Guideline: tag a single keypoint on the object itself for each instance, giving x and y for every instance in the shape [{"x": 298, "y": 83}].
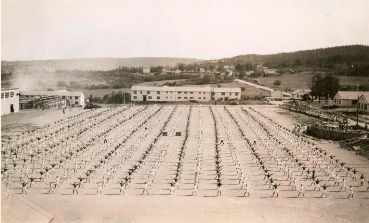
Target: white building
[
  {"x": 9, "y": 101},
  {"x": 347, "y": 98},
  {"x": 299, "y": 93},
  {"x": 146, "y": 70},
  {"x": 183, "y": 94},
  {"x": 72, "y": 98},
  {"x": 364, "y": 102}
]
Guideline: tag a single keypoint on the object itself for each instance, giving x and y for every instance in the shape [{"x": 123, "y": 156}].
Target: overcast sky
[{"x": 205, "y": 29}]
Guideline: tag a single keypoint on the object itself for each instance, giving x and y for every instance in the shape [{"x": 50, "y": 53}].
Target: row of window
[
  {"x": 76, "y": 97},
  {"x": 7, "y": 94},
  {"x": 158, "y": 97},
  {"x": 184, "y": 92}
]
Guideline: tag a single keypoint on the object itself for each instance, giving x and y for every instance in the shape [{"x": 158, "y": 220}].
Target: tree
[
  {"x": 277, "y": 82},
  {"x": 331, "y": 86},
  {"x": 324, "y": 86},
  {"x": 317, "y": 86}
]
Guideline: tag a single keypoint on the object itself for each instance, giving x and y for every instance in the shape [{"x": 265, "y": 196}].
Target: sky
[{"x": 203, "y": 29}]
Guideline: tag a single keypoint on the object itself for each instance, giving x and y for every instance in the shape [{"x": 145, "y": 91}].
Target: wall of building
[
  {"x": 75, "y": 100},
  {"x": 166, "y": 96},
  {"x": 344, "y": 102},
  {"x": 363, "y": 105},
  {"x": 182, "y": 95},
  {"x": 9, "y": 99},
  {"x": 226, "y": 96}
]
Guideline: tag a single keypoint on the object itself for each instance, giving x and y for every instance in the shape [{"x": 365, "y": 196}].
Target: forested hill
[
  {"x": 92, "y": 63},
  {"x": 340, "y": 57}
]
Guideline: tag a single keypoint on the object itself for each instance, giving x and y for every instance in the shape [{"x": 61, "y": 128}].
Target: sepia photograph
[{"x": 184, "y": 111}]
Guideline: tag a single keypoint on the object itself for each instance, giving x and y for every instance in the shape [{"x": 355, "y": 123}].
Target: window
[
  {"x": 76, "y": 97},
  {"x": 167, "y": 92},
  {"x": 76, "y": 102},
  {"x": 223, "y": 93},
  {"x": 2, "y": 95},
  {"x": 199, "y": 97},
  {"x": 236, "y": 94},
  {"x": 70, "y": 97},
  {"x": 203, "y": 97},
  {"x": 11, "y": 94},
  {"x": 179, "y": 92},
  {"x": 179, "y": 98},
  {"x": 140, "y": 92},
  {"x": 134, "y": 92},
  {"x": 148, "y": 92},
  {"x": 6, "y": 94},
  {"x": 149, "y": 97},
  {"x": 191, "y": 97},
  {"x": 63, "y": 97},
  {"x": 158, "y": 97},
  {"x": 158, "y": 92},
  {"x": 185, "y": 92},
  {"x": 185, "y": 97},
  {"x": 366, "y": 107},
  {"x": 191, "y": 92},
  {"x": 134, "y": 97}
]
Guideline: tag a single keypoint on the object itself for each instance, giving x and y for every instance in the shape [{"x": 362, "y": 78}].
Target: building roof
[
  {"x": 9, "y": 89},
  {"x": 365, "y": 96},
  {"x": 350, "y": 95},
  {"x": 199, "y": 89},
  {"x": 297, "y": 91},
  {"x": 51, "y": 93}
]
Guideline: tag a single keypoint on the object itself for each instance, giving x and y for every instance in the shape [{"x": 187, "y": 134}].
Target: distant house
[
  {"x": 146, "y": 70},
  {"x": 9, "y": 101},
  {"x": 364, "y": 102},
  {"x": 250, "y": 72},
  {"x": 271, "y": 71},
  {"x": 347, "y": 98},
  {"x": 299, "y": 93}
]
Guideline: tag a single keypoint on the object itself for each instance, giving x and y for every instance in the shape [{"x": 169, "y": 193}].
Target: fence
[{"x": 332, "y": 134}]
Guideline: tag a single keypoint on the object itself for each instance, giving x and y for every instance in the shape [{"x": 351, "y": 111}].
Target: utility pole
[
  {"x": 357, "y": 107},
  {"x": 357, "y": 111}
]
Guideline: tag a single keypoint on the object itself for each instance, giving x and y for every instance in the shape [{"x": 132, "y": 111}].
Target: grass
[{"x": 303, "y": 80}]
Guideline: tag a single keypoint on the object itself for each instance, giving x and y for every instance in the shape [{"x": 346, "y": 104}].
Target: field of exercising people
[{"x": 171, "y": 160}]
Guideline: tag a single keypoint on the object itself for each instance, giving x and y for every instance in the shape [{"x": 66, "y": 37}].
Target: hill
[
  {"x": 349, "y": 60},
  {"x": 91, "y": 63}
]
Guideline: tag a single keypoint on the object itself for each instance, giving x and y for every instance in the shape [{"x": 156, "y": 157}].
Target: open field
[
  {"x": 182, "y": 163},
  {"x": 303, "y": 80}
]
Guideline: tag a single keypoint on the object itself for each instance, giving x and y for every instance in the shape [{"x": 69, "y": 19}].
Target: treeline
[
  {"x": 342, "y": 60},
  {"x": 113, "y": 98}
]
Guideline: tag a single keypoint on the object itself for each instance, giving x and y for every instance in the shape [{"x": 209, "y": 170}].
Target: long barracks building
[{"x": 183, "y": 94}]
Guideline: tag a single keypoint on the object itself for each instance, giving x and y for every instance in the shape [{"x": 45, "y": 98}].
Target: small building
[
  {"x": 364, "y": 102},
  {"x": 300, "y": 93},
  {"x": 183, "y": 94},
  {"x": 146, "y": 70},
  {"x": 9, "y": 101},
  {"x": 59, "y": 98},
  {"x": 347, "y": 98}
]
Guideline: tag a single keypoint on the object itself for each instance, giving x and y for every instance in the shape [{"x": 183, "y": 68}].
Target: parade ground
[{"x": 176, "y": 163}]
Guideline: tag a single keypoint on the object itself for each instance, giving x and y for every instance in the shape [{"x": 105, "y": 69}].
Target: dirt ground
[
  {"x": 27, "y": 120},
  {"x": 182, "y": 208},
  {"x": 200, "y": 209}
]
